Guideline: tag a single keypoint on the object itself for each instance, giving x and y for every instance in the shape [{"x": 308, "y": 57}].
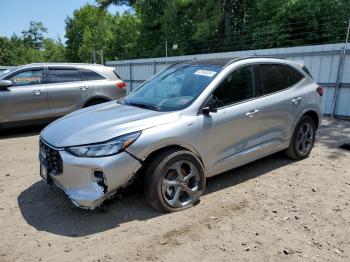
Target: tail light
[
  {"x": 121, "y": 85},
  {"x": 320, "y": 90}
]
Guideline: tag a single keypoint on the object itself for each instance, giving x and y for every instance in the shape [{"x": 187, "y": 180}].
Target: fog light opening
[{"x": 100, "y": 179}]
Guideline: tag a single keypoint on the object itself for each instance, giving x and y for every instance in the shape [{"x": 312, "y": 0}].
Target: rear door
[
  {"x": 97, "y": 84},
  {"x": 279, "y": 103},
  {"x": 66, "y": 89},
  {"x": 26, "y": 99}
]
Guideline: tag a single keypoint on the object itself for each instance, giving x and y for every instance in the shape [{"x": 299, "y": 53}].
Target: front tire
[
  {"x": 303, "y": 139},
  {"x": 174, "y": 181}
]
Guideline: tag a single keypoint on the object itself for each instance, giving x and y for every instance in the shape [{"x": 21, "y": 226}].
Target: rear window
[
  {"x": 294, "y": 76},
  {"x": 274, "y": 78},
  {"x": 277, "y": 77},
  {"x": 63, "y": 75},
  {"x": 90, "y": 75}
]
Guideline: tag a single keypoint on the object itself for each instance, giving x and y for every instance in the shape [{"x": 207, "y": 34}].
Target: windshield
[
  {"x": 4, "y": 72},
  {"x": 173, "y": 89}
]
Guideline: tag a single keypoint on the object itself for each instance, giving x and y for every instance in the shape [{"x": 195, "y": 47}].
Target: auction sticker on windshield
[{"x": 202, "y": 72}]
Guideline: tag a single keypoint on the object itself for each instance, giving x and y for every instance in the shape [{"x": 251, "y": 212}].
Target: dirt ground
[{"x": 271, "y": 210}]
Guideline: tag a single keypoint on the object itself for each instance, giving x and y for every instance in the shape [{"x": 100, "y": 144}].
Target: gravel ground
[{"x": 271, "y": 210}]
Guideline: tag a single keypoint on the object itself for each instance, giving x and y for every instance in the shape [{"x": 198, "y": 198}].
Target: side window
[
  {"x": 238, "y": 86},
  {"x": 274, "y": 78},
  {"x": 64, "y": 75},
  {"x": 294, "y": 76},
  {"x": 26, "y": 78},
  {"x": 89, "y": 75}
]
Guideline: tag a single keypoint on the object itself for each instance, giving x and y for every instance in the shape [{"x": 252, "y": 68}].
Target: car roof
[
  {"x": 106, "y": 71},
  {"x": 214, "y": 61},
  {"x": 223, "y": 62},
  {"x": 82, "y": 65}
]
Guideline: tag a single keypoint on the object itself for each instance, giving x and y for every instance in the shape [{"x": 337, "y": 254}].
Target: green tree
[
  {"x": 191, "y": 25},
  {"x": 199, "y": 26},
  {"x": 106, "y": 3},
  {"x": 34, "y": 36},
  {"x": 151, "y": 14},
  {"x": 276, "y": 23},
  {"x": 15, "y": 51},
  {"x": 89, "y": 29},
  {"x": 54, "y": 50},
  {"x": 126, "y": 36},
  {"x": 31, "y": 47}
]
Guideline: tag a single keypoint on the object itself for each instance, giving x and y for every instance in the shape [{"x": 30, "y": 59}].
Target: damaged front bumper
[{"x": 86, "y": 181}]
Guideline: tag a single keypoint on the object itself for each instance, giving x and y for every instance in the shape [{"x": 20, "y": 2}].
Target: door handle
[
  {"x": 252, "y": 113},
  {"x": 37, "y": 92},
  {"x": 296, "y": 100},
  {"x": 84, "y": 88}
]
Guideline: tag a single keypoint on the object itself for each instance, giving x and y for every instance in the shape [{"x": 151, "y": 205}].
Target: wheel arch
[
  {"x": 315, "y": 117},
  {"x": 163, "y": 148},
  {"x": 158, "y": 150},
  {"x": 96, "y": 98},
  {"x": 311, "y": 112}
]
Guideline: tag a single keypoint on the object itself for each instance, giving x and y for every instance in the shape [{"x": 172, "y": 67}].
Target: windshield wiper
[
  {"x": 147, "y": 106},
  {"x": 123, "y": 101}
]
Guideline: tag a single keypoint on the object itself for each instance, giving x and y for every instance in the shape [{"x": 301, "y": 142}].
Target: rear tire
[
  {"x": 174, "y": 181},
  {"x": 96, "y": 102},
  {"x": 303, "y": 139}
]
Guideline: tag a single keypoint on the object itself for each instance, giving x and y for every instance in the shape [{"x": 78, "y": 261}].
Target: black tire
[
  {"x": 294, "y": 151},
  {"x": 95, "y": 102},
  {"x": 160, "y": 167}
]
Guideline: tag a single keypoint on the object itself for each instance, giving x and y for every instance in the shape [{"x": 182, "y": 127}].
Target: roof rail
[{"x": 251, "y": 57}]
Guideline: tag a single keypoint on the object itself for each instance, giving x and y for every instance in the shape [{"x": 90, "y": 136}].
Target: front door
[
  {"x": 27, "y": 98},
  {"x": 232, "y": 134}
]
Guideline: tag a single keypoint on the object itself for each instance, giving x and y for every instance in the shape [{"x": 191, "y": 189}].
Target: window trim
[
  {"x": 62, "y": 68},
  {"x": 258, "y": 84},
  {"x": 43, "y": 82},
  {"x": 207, "y": 100},
  {"x": 84, "y": 79},
  {"x": 282, "y": 90},
  {"x": 307, "y": 71}
]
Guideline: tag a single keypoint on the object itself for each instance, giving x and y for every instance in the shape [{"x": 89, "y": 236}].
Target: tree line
[{"x": 186, "y": 26}]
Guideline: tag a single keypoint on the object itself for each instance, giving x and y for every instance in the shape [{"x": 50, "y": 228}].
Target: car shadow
[
  {"x": 332, "y": 134},
  {"x": 50, "y": 210},
  {"x": 25, "y": 131},
  {"x": 249, "y": 171}
]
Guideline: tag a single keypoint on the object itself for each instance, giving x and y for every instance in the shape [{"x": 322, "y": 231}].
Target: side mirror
[
  {"x": 212, "y": 106},
  {"x": 208, "y": 109},
  {"x": 4, "y": 84}
]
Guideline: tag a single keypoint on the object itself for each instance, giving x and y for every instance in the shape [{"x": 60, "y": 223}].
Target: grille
[{"x": 52, "y": 157}]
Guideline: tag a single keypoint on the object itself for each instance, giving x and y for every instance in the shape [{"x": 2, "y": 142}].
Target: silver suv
[
  {"x": 38, "y": 92},
  {"x": 191, "y": 121}
]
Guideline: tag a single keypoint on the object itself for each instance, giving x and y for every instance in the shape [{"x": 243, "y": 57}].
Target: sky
[{"x": 15, "y": 15}]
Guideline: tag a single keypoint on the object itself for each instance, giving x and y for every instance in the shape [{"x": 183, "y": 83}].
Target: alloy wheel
[
  {"x": 305, "y": 138},
  {"x": 180, "y": 184}
]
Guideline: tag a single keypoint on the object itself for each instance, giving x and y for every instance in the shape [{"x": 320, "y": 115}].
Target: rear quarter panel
[
  {"x": 107, "y": 89},
  {"x": 311, "y": 101}
]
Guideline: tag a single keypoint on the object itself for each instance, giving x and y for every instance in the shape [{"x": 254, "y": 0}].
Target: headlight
[{"x": 111, "y": 147}]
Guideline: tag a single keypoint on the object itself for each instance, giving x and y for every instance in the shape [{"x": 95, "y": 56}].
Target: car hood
[{"x": 101, "y": 123}]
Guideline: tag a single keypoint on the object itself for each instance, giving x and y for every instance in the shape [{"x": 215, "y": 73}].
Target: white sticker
[{"x": 205, "y": 73}]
